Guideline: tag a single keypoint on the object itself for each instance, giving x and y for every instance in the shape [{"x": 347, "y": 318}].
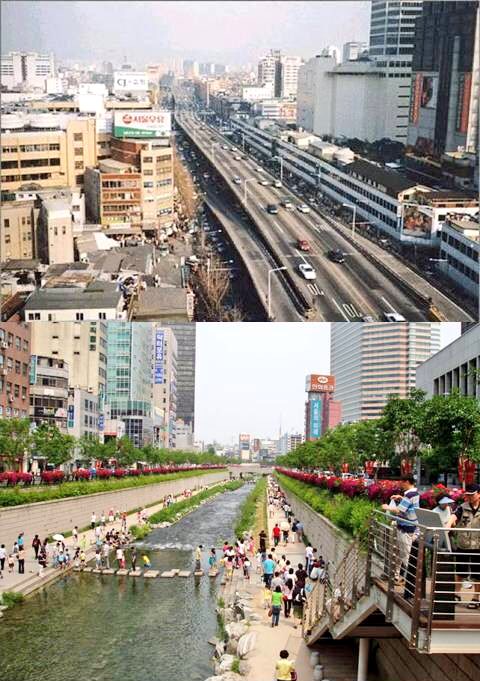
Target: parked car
[
  {"x": 336, "y": 255},
  {"x": 307, "y": 271}
]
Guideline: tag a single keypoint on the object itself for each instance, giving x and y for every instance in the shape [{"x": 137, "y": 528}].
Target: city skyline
[
  {"x": 261, "y": 413},
  {"x": 177, "y": 24}
]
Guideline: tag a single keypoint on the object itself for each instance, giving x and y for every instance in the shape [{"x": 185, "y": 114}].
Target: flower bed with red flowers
[
  {"x": 82, "y": 474},
  {"x": 16, "y": 478},
  {"x": 52, "y": 477},
  {"x": 379, "y": 491}
]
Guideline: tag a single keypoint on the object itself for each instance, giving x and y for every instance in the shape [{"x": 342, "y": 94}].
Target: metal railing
[{"x": 426, "y": 571}]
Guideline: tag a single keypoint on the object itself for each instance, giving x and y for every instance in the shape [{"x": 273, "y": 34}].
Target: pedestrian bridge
[
  {"x": 257, "y": 468},
  {"x": 431, "y": 608}
]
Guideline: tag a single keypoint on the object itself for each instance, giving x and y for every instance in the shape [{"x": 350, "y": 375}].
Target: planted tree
[
  {"x": 53, "y": 445},
  {"x": 402, "y": 423},
  {"x": 15, "y": 441}
]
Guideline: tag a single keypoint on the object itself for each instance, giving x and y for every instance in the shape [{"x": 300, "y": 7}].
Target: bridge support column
[{"x": 363, "y": 647}]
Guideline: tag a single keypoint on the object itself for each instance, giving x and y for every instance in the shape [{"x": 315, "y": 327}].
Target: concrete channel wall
[
  {"x": 331, "y": 543},
  {"x": 61, "y": 515}
]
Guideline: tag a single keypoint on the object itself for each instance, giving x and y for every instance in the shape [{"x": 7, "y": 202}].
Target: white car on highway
[
  {"x": 303, "y": 208},
  {"x": 277, "y": 183},
  {"x": 259, "y": 169},
  {"x": 307, "y": 271},
  {"x": 264, "y": 183},
  {"x": 237, "y": 180}
]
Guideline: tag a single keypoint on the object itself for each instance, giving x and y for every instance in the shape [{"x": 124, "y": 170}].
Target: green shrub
[
  {"x": 29, "y": 495},
  {"x": 236, "y": 665},
  {"x": 11, "y": 598},
  {"x": 248, "y": 510},
  {"x": 140, "y": 531},
  {"x": 351, "y": 515}
]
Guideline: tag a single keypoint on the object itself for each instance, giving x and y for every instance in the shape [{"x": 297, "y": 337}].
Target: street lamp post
[
  {"x": 248, "y": 179},
  {"x": 280, "y": 158},
  {"x": 270, "y": 272},
  {"x": 354, "y": 211}
]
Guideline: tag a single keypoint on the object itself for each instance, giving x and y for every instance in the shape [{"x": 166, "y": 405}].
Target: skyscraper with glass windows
[
  {"x": 371, "y": 361},
  {"x": 186, "y": 339},
  {"x": 392, "y": 31},
  {"x": 129, "y": 378}
]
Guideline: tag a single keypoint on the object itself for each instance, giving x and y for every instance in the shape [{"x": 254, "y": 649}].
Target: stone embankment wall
[
  {"x": 48, "y": 517},
  {"x": 322, "y": 534}
]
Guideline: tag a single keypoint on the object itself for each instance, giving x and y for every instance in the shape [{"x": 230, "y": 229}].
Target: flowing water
[{"x": 89, "y": 627}]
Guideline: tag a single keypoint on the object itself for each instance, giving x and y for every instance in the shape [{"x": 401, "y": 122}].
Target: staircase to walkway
[{"x": 339, "y": 659}]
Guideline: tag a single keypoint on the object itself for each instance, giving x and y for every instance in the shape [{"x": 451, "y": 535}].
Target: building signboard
[
  {"x": 428, "y": 99},
  {"x": 417, "y": 222},
  {"x": 320, "y": 383},
  {"x": 415, "y": 98},
  {"x": 71, "y": 416},
  {"x": 101, "y": 423},
  {"x": 130, "y": 81},
  {"x": 463, "y": 102},
  {"x": 158, "y": 370},
  {"x": 142, "y": 124},
  {"x": 315, "y": 429},
  {"x": 33, "y": 370}
]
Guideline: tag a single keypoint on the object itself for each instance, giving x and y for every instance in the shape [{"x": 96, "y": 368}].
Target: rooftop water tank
[
  {"x": 12, "y": 121},
  {"x": 44, "y": 121}
]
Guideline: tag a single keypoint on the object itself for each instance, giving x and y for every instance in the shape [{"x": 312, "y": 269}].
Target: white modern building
[
  {"x": 268, "y": 67},
  {"x": 165, "y": 382},
  {"x": 456, "y": 366},
  {"x": 289, "y": 441},
  {"x": 27, "y": 70},
  {"x": 372, "y": 361},
  {"x": 289, "y": 66},
  {"x": 257, "y": 93},
  {"x": 281, "y": 72},
  {"x": 460, "y": 251}
]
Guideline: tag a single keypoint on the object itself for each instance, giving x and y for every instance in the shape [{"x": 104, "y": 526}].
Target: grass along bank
[
  {"x": 17, "y": 497},
  {"x": 251, "y": 507},
  {"x": 177, "y": 510},
  {"x": 350, "y": 515}
]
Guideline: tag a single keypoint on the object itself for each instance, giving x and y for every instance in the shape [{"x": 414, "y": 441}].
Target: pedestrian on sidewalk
[
  {"x": 308, "y": 556},
  {"x": 299, "y": 531},
  {"x": 276, "y": 534},
  {"x": 103, "y": 519},
  {"x": 36, "y": 543},
  {"x": 268, "y": 570},
  {"x": 106, "y": 554},
  {"x": 277, "y": 600},
  {"x": 287, "y": 592},
  {"x": 301, "y": 576},
  {"x": 262, "y": 543},
  {"x": 285, "y": 668},
  {"x": 93, "y": 521},
  {"x": 246, "y": 569},
  {"x": 83, "y": 559},
  {"x": 111, "y": 516},
  {"x": 271, "y": 509},
  {"x": 42, "y": 560},
  {"x": 11, "y": 563},
  {"x": 285, "y": 527},
  {"x": 299, "y": 600},
  {"x": 21, "y": 560},
  {"x": 21, "y": 540},
  {"x": 98, "y": 559},
  {"x": 3, "y": 556}
]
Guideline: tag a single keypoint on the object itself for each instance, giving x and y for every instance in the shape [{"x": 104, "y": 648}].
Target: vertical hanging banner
[{"x": 158, "y": 370}]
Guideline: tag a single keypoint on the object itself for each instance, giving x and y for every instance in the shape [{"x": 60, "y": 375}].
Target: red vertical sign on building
[
  {"x": 463, "y": 102},
  {"x": 415, "y": 98}
]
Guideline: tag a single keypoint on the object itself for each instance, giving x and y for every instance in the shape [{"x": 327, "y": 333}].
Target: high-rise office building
[
  {"x": 129, "y": 379},
  {"x": 392, "y": 30},
  {"x": 280, "y": 72},
  {"x": 186, "y": 352},
  {"x": 371, "y": 361},
  {"x": 190, "y": 69},
  {"x": 446, "y": 78},
  {"x": 26, "y": 70},
  {"x": 165, "y": 383}
]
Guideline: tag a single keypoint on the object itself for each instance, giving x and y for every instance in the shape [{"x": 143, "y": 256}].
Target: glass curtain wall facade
[
  {"x": 186, "y": 350},
  {"x": 129, "y": 378}
]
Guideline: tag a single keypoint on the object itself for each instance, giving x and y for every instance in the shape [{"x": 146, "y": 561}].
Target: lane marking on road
[
  {"x": 388, "y": 304},
  {"x": 340, "y": 310},
  {"x": 315, "y": 290},
  {"x": 300, "y": 255},
  {"x": 351, "y": 310},
  {"x": 278, "y": 227}
]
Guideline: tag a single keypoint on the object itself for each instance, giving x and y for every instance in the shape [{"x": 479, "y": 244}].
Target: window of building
[
  {"x": 78, "y": 137},
  {"x": 79, "y": 316},
  {"x": 102, "y": 315},
  {"x": 148, "y": 172},
  {"x": 18, "y": 367},
  {"x": 79, "y": 179},
  {"x": 24, "y": 369},
  {"x": 78, "y": 165},
  {"x": 34, "y": 316},
  {"x": 6, "y": 223},
  {"x": 78, "y": 151}
]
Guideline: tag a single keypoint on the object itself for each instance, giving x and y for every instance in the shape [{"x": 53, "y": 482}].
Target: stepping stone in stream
[
  {"x": 97, "y": 571},
  {"x": 175, "y": 572},
  {"x": 109, "y": 571},
  {"x": 135, "y": 573},
  {"x": 77, "y": 568},
  {"x": 150, "y": 574},
  {"x": 167, "y": 573},
  {"x": 198, "y": 573},
  {"x": 184, "y": 573},
  {"x": 88, "y": 569},
  {"x": 122, "y": 572},
  {"x": 212, "y": 573}
]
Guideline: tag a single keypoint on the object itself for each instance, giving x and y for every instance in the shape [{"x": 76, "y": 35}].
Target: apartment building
[
  {"x": 45, "y": 155},
  {"x": 28, "y": 70},
  {"x": 17, "y": 230},
  {"x": 372, "y": 361},
  {"x": 14, "y": 369},
  {"x": 49, "y": 392}
]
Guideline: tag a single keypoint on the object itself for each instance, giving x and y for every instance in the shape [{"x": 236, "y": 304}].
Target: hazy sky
[
  {"x": 229, "y": 32},
  {"x": 251, "y": 376}
]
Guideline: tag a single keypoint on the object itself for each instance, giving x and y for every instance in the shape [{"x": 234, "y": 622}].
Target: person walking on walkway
[
  {"x": 287, "y": 592},
  {"x": 407, "y": 524},
  {"x": 276, "y": 605},
  {"x": 21, "y": 560},
  {"x": 3, "y": 556},
  {"x": 276, "y": 534},
  {"x": 299, "y": 531},
  {"x": 106, "y": 554},
  {"x": 75, "y": 536},
  {"x": 285, "y": 528},
  {"x": 36, "y": 543},
  {"x": 268, "y": 570},
  {"x": 93, "y": 521},
  {"x": 262, "y": 539},
  {"x": 467, "y": 516},
  {"x": 285, "y": 668}
]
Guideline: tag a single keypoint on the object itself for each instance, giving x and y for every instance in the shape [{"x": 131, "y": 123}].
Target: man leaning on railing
[
  {"x": 467, "y": 516},
  {"x": 406, "y": 531}
]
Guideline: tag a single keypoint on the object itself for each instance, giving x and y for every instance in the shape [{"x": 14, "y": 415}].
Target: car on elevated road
[
  {"x": 277, "y": 183},
  {"x": 264, "y": 183},
  {"x": 237, "y": 180},
  {"x": 393, "y": 317},
  {"x": 303, "y": 208},
  {"x": 307, "y": 271},
  {"x": 272, "y": 208},
  {"x": 336, "y": 255},
  {"x": 287, "y": 204},
  {"x": 303, "y": 245}
]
